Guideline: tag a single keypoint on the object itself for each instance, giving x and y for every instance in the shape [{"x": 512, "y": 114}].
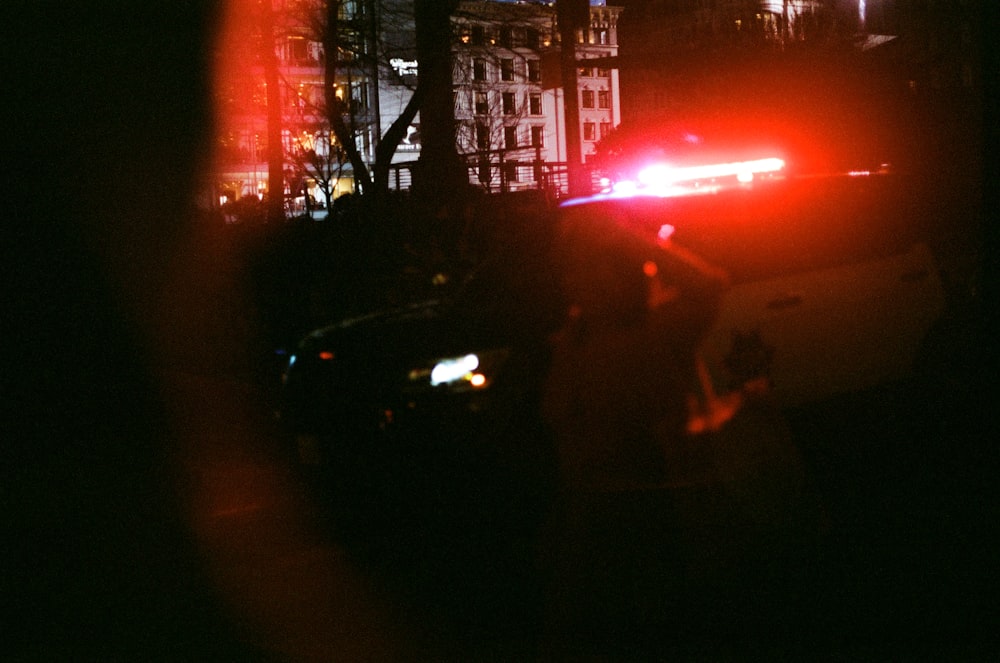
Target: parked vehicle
[
  {"x": 431, "y": 406},
  {"x": 833, "y": 290},
  {"x": 834, "y": 286}
]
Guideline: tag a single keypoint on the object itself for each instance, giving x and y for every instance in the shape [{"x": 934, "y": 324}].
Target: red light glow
[
  {"x": 662, "y": 176},
  {"x": 663, "y": 180},
  {"x": 665, "y": 232}
]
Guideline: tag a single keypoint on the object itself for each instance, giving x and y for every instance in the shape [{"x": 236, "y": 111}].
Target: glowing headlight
[
  {"x": 447, "y": 371},
  {"x": 469, "y": 371}
]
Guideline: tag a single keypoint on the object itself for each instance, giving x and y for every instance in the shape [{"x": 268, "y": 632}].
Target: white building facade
[{"x": 509, "y": 101}]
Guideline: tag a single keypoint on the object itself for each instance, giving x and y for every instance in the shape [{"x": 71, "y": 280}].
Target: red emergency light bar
[
  {"x": 662, "y": 175},
  {"x": 663, "y": 180}
]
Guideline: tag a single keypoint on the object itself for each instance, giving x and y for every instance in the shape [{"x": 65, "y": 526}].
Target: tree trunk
[
  {"x": 439, "y": 170},
  {"x": 275, "y": 153},
  {"x": 571, "y": 15},
  {"x": 335, "y": 106}
]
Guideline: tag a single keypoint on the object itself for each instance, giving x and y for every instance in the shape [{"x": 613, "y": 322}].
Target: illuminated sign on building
[{"x": 404, "y": 67}]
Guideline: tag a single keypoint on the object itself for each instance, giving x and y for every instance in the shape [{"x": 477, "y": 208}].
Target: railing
[{"x": 496, "y": 172}]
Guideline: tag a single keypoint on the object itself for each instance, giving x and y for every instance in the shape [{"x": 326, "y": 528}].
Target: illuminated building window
[{"x": 348, "y": 10}]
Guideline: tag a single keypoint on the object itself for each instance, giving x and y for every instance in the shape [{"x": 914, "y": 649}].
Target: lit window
[
  {"x": 348, "y": 10},
  {"x": 359, "y": 95}
]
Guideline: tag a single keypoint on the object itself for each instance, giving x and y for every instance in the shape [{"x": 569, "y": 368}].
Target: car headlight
[{"x": 471, "y": 371}]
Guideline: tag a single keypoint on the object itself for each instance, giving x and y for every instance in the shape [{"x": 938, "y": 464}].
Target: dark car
[
  {"x": 438, "y": 395},
  {"x": 833, "y": 289}
]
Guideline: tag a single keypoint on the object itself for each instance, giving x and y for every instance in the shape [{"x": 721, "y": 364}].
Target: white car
[{"x": 833, "y": 287}]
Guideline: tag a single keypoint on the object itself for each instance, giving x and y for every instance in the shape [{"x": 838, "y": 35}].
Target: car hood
[
  {"x": 427, "y": 330},
  {"x": 429, "y": 327}
]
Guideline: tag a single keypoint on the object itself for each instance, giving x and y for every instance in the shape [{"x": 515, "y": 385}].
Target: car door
[
  {"x": 833, "y": 284},
  {"x": 838, "y": 329},
  {"x": 833, "y": 280}
]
